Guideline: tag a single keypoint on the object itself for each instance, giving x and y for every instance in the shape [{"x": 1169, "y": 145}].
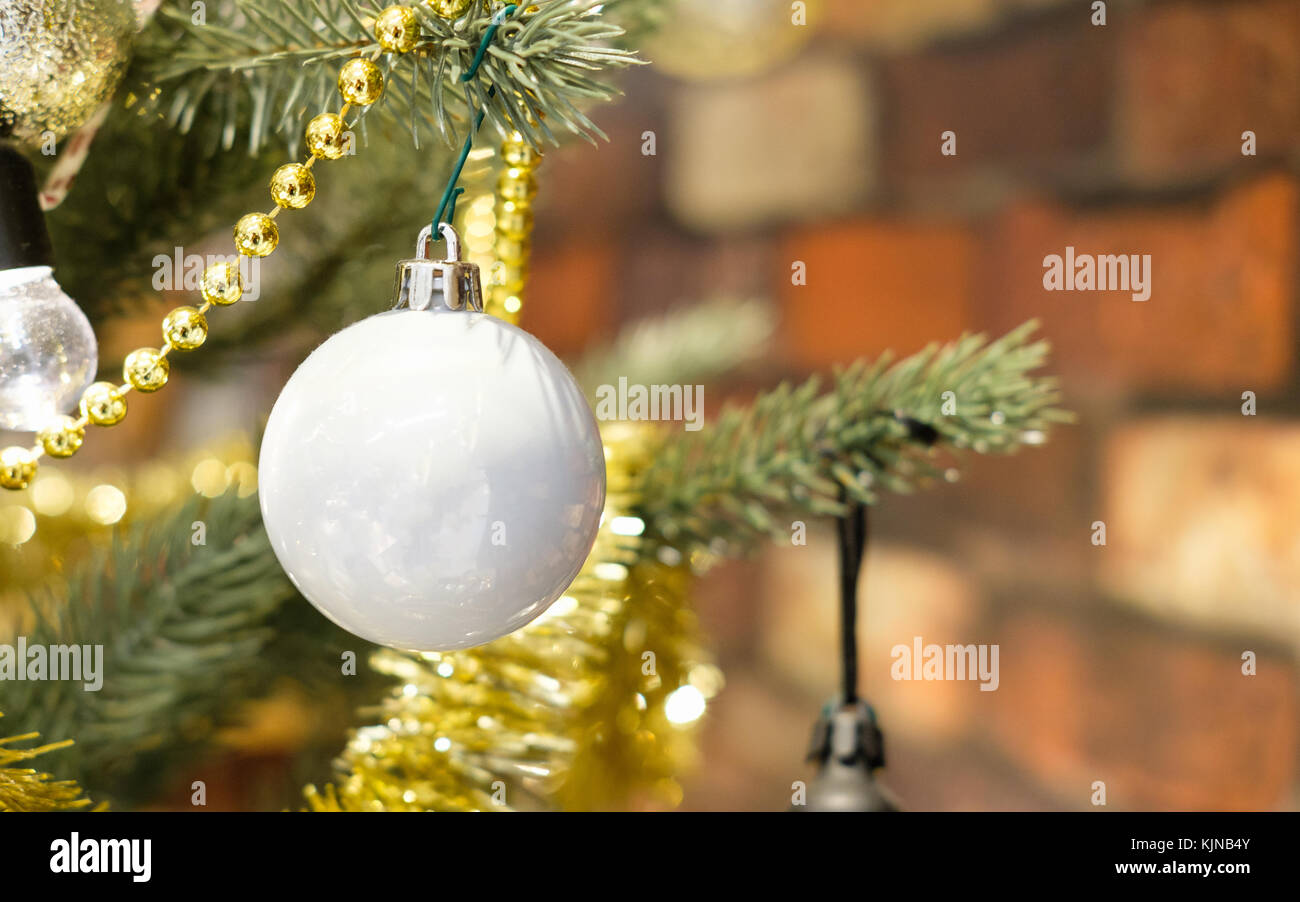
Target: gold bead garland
[
  {"x": 256, "y": 234},
  {"x": 17, "y": 467},
  {"x": 185, "y": 328},
  {"x": 398, "y": 29},
  {"x": 326, "y": 137},
  {"x": 293, "y": 186},
  {"x": 146, "y": 369},
  {"x": 222, "y": 284},
  {"x": 360, "y": 81},
  {"x": 104, "y": 404},
  {"x": 62, "y": 437},
  {"x": 448, "y": 9},
  {"x": 516, "y": 188}
]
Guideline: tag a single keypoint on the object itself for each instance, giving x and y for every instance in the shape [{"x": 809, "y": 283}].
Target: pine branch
[
  {"x": 686, "y": 345},
  {"x": 144, "y": 190},
  {"x": 260, "y": 68},
  {"x": 877, "y": 427},
  {"x": 187, "y": 634}
]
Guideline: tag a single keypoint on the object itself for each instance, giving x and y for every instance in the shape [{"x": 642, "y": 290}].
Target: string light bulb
[{"x": 48, "y": 353}]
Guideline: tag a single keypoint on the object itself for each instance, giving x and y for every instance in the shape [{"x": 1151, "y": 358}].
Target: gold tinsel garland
[
  {"x": 27, "y": 789},
  {"x": 591, "y": 706}
]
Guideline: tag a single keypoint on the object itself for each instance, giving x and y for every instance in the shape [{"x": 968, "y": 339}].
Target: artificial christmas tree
[{"x": 562, "y": 712}]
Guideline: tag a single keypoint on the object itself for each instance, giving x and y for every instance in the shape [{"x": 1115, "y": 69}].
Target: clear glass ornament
[{"x": 48, "y": 353}]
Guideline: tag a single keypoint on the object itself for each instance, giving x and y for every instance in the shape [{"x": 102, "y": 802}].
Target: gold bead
[
  {"x": 256, "y": 234},
  {"x": 326, "y": 136},
  {"x": 512, "y": 251},
  {"x": 17, "y": 467},
  {"x": 103, "y": 404},
  {"x": 448, "y": 9},
  {"x": 62, "y": 437},
  {"x": 146, "y": 369},
  {"x": 293, "y": 186},
  {"x": 185, "y": 328},
  {"x": 398, "y": 29},
  {"x": 518, "y": 185},
  {"x": 360, "y": 81},
  {"x": 221, "y": 283},
  {"x": 514, "y": 220},
  {"x": 509, "y": 286},
  {"x": 515, "y": 151}
]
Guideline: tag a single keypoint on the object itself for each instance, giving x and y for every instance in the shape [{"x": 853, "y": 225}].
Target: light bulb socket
[
  {"x": 849, "y": 735},
  {"x": 848, "y": 747},
  {"x": 24, "y": 239}
]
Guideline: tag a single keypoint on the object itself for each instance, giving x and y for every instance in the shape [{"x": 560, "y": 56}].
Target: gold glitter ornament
[
  {"x": 398, "y": 29},
  {"x": 103, "y": 404},
  {"x": 360, "y": 81},
  {"x": 559, "y": 712},
  {"x": 146, "y": 369},
  {"x": 293, "y": 186},
  {"x": 326, "y": 137},
  {"x": 60, "y": 61},
  {"x": 17, "y": 467},
  {"x": 185, "y": 328},
  {"x": 62, "y": 437},
  {"x": 256, "y": 234},
  {"x": 221, "y": 283},
  {"x": 448, "y": 9}
]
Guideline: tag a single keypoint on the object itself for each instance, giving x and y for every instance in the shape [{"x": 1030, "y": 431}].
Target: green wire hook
[{"x": 447, "y": 206}]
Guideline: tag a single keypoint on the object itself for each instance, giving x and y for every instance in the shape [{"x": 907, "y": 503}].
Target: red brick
[
  {"x": 568, "y": 299},
  {"x": 663, "y": 269},
  {"x": 1005, "y": 491},
  {"x": 1194, "y": 76},
  {"x": 593, "y": 190},
  {"x": 1200, "y": 520},
  {"x": 1220, "y": 316},
  {"x": 1036, "y": 98},
  {"x": 1176, "y": 725},
  {"x": 872, "y": 286},
  {"x": 742, "y": 152},
  {"x": 892, "y": 24},
  {"x": 1167, "y": 721},
  {"x": 1037, "y": 717}
]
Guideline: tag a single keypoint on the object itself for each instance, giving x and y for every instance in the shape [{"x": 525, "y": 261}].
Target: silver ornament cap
[{"x": 425, "y": 284}]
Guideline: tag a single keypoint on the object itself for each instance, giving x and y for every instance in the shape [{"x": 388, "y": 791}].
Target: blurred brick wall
[{"x": 1119, "y": 663}]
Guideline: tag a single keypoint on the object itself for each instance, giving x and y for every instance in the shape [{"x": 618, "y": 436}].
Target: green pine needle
[
  {"x": 190, "y": 633},
  {"x": 876, "y": 427},
  {"x": 261, "y": 68}
]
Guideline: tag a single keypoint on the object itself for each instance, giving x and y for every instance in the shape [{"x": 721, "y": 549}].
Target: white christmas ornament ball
[{"x": 431, "y": 479}]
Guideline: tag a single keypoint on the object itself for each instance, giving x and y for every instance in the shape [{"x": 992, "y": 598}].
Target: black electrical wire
[{"x": 852, "y": 529}]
